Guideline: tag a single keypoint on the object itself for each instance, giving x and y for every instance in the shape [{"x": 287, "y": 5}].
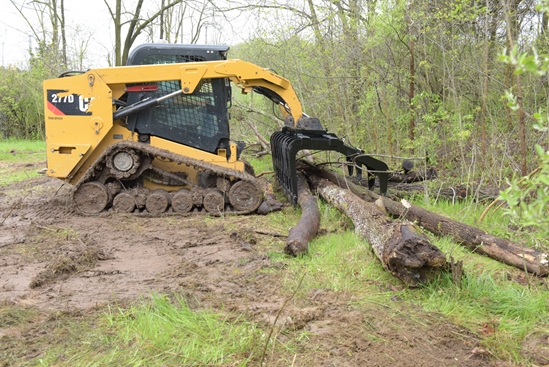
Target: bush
[{"x": 21, "y": 103}]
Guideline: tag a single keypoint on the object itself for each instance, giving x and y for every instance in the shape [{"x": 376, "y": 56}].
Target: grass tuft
[{"x": 161, "y": 332}]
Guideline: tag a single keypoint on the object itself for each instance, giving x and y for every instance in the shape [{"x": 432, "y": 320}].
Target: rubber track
[{"x": 89, "y": 175}]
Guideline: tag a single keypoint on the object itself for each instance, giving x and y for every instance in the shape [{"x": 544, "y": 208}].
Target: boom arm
[{"x": 244, "y": 75}]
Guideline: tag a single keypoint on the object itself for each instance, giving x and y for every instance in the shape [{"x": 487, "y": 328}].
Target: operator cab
[{"x": 200, "y": 119}]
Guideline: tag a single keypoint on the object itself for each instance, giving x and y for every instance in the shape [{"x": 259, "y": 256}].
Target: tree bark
[
  {"x": 403, "y": 250},
  {"x": 299, "y": 237},
  {"x": 475, "y": 239}
]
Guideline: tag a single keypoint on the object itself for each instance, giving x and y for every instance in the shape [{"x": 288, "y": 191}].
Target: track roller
[
  {"x": 244, "y": 196},
  {"x": 91, "y": 198}
]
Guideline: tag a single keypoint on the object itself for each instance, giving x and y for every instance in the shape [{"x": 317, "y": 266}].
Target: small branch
[
  {"x": 264, "y": 173},
  {"x": 271, "y": 234},
  {"x": 253, "y": 110},
  {"x": 264, "y": 143}
]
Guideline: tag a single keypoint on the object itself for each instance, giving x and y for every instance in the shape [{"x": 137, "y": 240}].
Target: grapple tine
[{"x": 285, "y": 145}]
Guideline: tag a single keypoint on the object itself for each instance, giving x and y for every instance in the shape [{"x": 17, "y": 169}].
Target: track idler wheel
[
  {"x": 91, "y": 198},
  {"x": 244, "y": 196}
]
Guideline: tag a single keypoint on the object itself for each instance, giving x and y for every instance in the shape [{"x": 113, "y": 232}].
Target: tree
[
  {"x": 186, "y": 23},
  {"x": 50, "y": 45},
  {"x": 133, "y": 24}
]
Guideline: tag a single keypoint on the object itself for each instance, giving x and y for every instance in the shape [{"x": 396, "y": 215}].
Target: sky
[
  {"x": 87, "y": 20},
  {"x": 16, "y": 35}
]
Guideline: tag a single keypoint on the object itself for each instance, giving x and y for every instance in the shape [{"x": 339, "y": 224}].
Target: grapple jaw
[{"x": 285, "y": 145}]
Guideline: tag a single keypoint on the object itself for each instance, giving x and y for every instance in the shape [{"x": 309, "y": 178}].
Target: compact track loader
[{"x": 153, "y": 136}]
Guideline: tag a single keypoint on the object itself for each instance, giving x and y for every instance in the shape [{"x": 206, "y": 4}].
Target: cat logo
[{"x": 61, "y": 103}]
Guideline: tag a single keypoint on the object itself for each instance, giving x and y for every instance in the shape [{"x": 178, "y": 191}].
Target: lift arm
[{"x": 244, "y": 75}]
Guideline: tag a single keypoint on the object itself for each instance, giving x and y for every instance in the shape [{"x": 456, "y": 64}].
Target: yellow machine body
[{"x": 79, "y": 113}]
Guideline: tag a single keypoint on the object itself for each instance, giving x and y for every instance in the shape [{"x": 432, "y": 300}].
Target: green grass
[
  {"x": 489, "y": 302},
  {"x": 163, "y": 332},
  {"x": 19, "y": 160},
  {"x": 338, "y": 260},
  {"x": 261, "y": 164},
  {"x": 501, "y": 312},
  {"x": 16, "y": 316}
]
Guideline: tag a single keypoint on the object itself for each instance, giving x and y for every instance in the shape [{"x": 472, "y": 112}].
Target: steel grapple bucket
[{"x": 285, "y": 145}]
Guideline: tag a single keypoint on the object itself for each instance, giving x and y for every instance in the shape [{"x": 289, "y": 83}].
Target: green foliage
[
  {"x": 261, "y": 164},
  {"x": 528, "y": 199},
  {"x": 21, "y": 103},
  {"x": 22, "y": 96}
]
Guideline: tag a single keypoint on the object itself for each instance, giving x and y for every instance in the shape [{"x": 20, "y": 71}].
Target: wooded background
[{"x": 417, "y": 78}]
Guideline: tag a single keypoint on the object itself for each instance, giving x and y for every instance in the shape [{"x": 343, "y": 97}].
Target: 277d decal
[{"x": 61, "y": 103}]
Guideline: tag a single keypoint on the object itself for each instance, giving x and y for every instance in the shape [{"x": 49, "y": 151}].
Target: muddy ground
[{"x": 52, "y": 259}]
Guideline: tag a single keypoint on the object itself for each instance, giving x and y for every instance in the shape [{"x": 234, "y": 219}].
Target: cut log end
[{"x": 411, "y": 257}]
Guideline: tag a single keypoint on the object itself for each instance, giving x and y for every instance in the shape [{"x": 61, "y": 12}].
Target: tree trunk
[
  {"x": 299, "y": 237},
  {"x": 411, "y": 95},
  {"x": 475, "y": 239},
  {"x": 63, "y": 35},
  {"x": 403, "y": 250}
]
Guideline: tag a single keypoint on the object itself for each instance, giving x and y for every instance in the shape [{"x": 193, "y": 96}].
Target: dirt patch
[
  {"x": 55, "y": 260},
  {"x": 71, "y": 260}
]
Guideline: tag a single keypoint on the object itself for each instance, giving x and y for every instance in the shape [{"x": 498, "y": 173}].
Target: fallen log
[
  {"x": 403, "y": 250},
  {"x": 413, "y": 176},
  {"x": 475, "y": 239},
  {"x": 307, "y": 227},
  {"x": 454, "y": 193}
]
